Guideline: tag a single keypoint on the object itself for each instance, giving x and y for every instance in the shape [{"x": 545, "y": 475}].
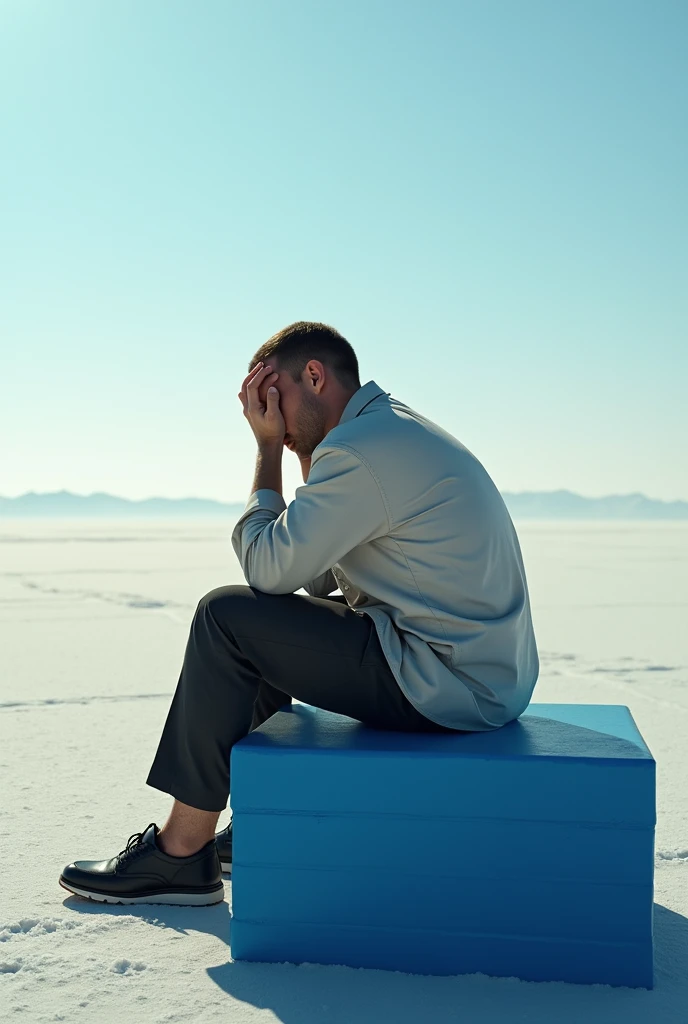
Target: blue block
[{"x": 526, "y": 852}]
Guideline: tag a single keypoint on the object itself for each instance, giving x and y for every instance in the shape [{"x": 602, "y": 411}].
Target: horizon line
[{"x": 240, "y": 501}]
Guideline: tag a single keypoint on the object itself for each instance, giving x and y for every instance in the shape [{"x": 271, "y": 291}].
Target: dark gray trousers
[{"x": 248, "y": 654}]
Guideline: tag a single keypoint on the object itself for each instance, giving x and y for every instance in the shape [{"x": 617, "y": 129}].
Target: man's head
[{"x": 318, "y": 374}]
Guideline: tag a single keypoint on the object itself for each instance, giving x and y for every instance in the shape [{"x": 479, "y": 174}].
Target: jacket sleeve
[
  {"x": 322, "y": 586},
  {"x": 341, "y": 506}
]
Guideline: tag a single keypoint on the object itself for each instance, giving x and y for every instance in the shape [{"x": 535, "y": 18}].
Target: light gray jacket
[{"x": 409, "y": 524}]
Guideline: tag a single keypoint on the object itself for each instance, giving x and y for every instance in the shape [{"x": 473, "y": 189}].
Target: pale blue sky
[{"x": 488, "y": 199}]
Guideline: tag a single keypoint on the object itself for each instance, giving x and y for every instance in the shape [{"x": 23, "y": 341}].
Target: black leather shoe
[
  {"x": 223, "y": 841},
  {"x": 142, "y": 873}
]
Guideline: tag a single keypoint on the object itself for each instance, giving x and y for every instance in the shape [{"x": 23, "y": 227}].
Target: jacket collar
[{"x": 358, "y": 401}]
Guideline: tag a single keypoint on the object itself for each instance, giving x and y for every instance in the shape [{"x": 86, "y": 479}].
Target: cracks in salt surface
[
  {"x": 110, "y": 596},
  {"x": 88, "y": 945},
  {"x": 93, "y": 699},
  {"x": 25, "y": 943},
  {"x": 177, "y": 611},
  {"x": 622, "y": 673},
  {"x": 155, "y": 536},
  {"x": 34, "y": 927},
  {"x": 638, "y": 668},
  {"x": 636, "y": 664}
]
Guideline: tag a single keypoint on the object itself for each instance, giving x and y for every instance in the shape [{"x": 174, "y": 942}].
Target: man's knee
[{"x": 221, "y": 597}]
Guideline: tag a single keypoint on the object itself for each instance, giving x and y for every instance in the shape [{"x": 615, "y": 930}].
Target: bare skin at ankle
[{"x": 186, "y": 830}]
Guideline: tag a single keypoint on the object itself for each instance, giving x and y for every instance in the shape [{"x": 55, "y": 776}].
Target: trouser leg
[
  {"x": 270, "y": 699},
  {"x": 315, "y": 650}
]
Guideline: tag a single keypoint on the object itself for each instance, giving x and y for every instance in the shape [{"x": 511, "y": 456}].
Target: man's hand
[{"x": 265, "y": 419}]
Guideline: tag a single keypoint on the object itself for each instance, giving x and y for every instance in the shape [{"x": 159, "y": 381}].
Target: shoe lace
[{"x": 135, "y": 845}]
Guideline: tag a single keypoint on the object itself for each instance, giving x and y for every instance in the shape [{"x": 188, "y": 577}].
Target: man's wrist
[
  {"x": 270, "y": 446},
  {"x": 268, "y": 467}
]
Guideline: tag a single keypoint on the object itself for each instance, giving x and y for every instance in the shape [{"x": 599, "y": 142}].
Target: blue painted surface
[
  {"x": 592, "y": 773},
  {"x": 442, "y": 953},
  {"x": 528, "y": 851},
  {"x": 607, "y": 719},
  {"x": 584, "y": 854}
]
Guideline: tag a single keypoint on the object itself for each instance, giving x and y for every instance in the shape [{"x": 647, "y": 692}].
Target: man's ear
[{"x": 315, "y": 375}]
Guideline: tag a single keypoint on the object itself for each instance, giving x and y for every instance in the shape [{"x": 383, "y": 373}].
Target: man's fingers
[
  {"x": 257, "y": 378},
  {"x": 254, "y": 384},
  {"x": 252, "y": 373},
  {"x": 243, "y": 394},
  {"x": 250, "y": 391}
]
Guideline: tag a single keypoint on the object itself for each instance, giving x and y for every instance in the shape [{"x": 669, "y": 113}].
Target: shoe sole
[{"x": 176, "y": 899}]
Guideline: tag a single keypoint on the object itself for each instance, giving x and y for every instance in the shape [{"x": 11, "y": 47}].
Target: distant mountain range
[
  {"x": 522, "y": 505},
  {"x": 65, "y": 505}
]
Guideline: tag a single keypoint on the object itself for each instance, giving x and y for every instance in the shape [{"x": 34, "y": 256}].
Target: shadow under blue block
[{"x": 527, "y": 851}]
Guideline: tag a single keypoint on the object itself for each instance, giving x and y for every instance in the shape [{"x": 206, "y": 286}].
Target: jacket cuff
[{"x": 265, "y": 497}]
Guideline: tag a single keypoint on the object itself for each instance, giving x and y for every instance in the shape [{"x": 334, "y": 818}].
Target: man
[{"x": 432, "y": 631}]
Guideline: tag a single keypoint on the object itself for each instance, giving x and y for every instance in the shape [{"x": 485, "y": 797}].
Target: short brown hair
[{"x": 294, "y": 345}]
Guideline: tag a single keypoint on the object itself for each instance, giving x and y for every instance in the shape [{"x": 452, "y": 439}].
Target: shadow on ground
[
  {"x": 313, "y": 994},
  {"x": 213, "y": 920}
]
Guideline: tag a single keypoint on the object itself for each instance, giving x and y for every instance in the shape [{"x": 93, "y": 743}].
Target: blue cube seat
[{"x": 526, "y": 852}]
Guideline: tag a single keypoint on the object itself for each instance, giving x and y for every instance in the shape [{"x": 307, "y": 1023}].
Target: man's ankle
[{"x": 175, "y": 847}]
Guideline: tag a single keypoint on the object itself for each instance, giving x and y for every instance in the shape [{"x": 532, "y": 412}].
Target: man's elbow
[{"x": 270, "y": 585}]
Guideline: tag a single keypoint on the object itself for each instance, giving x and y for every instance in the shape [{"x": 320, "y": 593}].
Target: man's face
[{"x": 304, "y": 412}]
